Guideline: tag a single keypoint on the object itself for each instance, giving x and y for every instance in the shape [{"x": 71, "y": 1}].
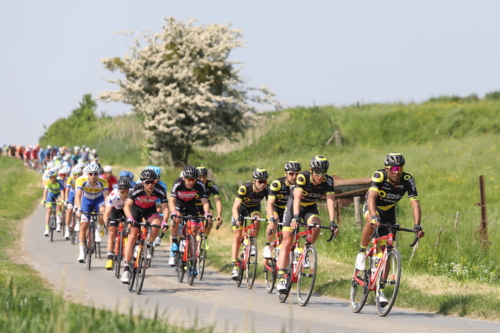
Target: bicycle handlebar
[
  {"x": 395, "y": 227},
  {"x": 315, "y": 225}
]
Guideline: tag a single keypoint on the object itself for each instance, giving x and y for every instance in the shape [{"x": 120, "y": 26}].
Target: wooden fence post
[
  {"x": 456, "y": 230},
  {"x": 484, "y": 219},
  {"x": 438, "y": 236},
  {"x": 357, "y": 213}
]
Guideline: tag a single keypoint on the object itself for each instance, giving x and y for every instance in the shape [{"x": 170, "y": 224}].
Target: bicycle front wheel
[
  {"x": 388, "y": 280},
  {"x": 251, "y": 263},
  {"x": 141, "y": 268},
  {"x": 191, "y": 263},
  {"x": 89, "y": 249},
  {"x": 307, "y": 275},
  {"x": 118, "y": 258},
  {"x": 52, "y": 226},
  {"x": 202, "y": 256},
  {"x": 179, "y": 264},
  {"x": 270, "y": 274}
]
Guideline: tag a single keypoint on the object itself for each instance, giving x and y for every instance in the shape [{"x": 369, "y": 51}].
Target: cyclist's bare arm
[
  {"x": 415, "y": 207},
  {"x": 78, "y": 198},
  {"x": 269, "y": 207},
  {"x": 371, "y": 204},
  {"x": 236, "y": 206},
  {"x": 297, "y": 196},
  {"x": 164, "y": 208},
  {"x": 218, "y": 206},
  {"x": 171, "y": 203},
  {"x": 127, "y": 209},
  {"x": 206, "y": 205},
  {"x": 107, "y": 212}
]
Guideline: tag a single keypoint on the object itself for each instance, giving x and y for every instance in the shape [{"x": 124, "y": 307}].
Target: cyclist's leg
[
  {"x": 87, "y": 206},
  {"x": 69, "y": 208},
  {"x": 137, "y": 214},
  {"x": 112, "y": 230},
  {"x": 255, "y": 212},
  {"x": 286, "y": 244},
  {"x": 310, "y": 214}
]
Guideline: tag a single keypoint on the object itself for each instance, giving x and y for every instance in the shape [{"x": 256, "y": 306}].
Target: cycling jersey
[
  {"x": 54, "y": 188},
  {"x": 70, "y": 183},
  {"x": 280, "y": 190},
  {"x": 181, "y": 192},
  {"x": 389, "y": 194},
  {"x": 141, "y": 198},
  {"x": 210, "y": 189},
  {"x": 250, "y": 198},
  {"x": 312, "y": 193},
  {"x": 112, "y": 181},
  {"x": 91, "y": 192},
  {"x": 114, "y": 200}
]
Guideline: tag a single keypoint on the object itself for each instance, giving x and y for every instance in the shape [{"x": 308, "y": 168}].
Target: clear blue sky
[{"x": 329, "y": 52}]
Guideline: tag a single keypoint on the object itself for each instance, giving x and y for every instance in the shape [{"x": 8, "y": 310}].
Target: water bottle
[
  {"x": 375, "y": 261},
  {"x": 296, "y": 255},
  {"x": 136, "y": 250},
  {"x": 182, "y": 243},
  {"x": 277, "y": 251}
]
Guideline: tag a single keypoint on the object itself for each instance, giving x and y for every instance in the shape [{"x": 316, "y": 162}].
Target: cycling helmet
[
  {"x": 41, "y": 149},
  {"x": 394, "y": 159},
  {"x": 65, "y": 164},
  {"x": 155, "y": 169},
  {"x": 319, "y": 162},
  {"x": 123, "y": 184},
  {"x": 93, "y": 167},
  {"x": 94, "y": 151},
  {"x": 76, "y": 170},
  {"x": 148, "y": 174},
  {"x": 56, "y": 158},
  {"x": 51, "y": 173},
  {"x": 123, "y": 173},
  {"x": 87, "y": 149},
  {"x": 202, "y": 171},
  {"x": 108, "y": 168},
  {"x": 57, "y": 167},
  {"x": 181, "y": 174},
  {"x": 293, "y": 166},
  {"x": 65, "y": 170},
  {"x": 130, "y": 175},
  {"x": 260, "y": 174},
  {"x": 190, "y": 172},
  {"x": 50, "y": 165},
  {"x": 49, "y": 146}
]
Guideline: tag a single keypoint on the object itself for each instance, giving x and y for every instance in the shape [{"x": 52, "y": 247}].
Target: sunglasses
[
  {"x": 124, "y": 191},
  {"x": 261, "y": 181},
  {"x": 92, "y": 174},
  {"x": 149, "y": 182},
  {"x": 319, "y": 172},
  {"x": 292, "y": 173},
  {"x": 395, "y": 168},
  {"x": 190, "y": 179}
]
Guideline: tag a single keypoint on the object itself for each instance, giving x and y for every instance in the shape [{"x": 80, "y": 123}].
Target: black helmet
[
  {"x": 394, "y": 159},
  {"x": 123, "y": 184},
  {"x": 319, "y": 163},
  {"x": 190, "y": 172},
  {"x": 260, "y": 174},
  {"x": 293, "y": 166},
  {"x": 148, "y": 174},
  {"x": 202, "y": 171}
]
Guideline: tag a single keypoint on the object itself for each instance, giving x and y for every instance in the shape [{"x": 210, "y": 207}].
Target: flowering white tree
[{"x": 186, "y": 88}]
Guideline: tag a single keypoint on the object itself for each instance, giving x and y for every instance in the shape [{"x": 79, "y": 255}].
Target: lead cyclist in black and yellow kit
[
  {"x": 309, "y": 188},
  {"x": 387, "y": 188}
]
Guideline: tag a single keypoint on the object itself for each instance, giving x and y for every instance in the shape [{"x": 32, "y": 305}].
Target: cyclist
[
  {"x": 141, "y": 204},
  {"x": 182, "y": 201},
  {"x": 76, "y": 172},
  {"x": 309, "y": 188},
  {"x": 114, "y": 209},
  {"x": 52, "y": 193},
  {"x": 210, "y": 189},
  {"x": 108, "y": 175},
  {"x": 247, "y": 203},
  {"x": 91, "y": 193},
  {"x": 387, "y": 188},
  {"x": 280, "y": 191}
]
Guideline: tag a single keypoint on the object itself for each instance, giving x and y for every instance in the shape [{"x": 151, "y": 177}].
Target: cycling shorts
[
  {"x": 51, "y": 197},
  {"x": 387, "y": 217},
  {"x": 306, "y": 213},
  {"x": 89, "y": 205},
  {"x": 187, "y": 209},
  {"x": 115, "y": 214},
  {"x": 279, "y": 211},
  {"x": 71, "y": 198},
  {"x": 138, "y": 213},
  {"x": 245, "y": 211}
]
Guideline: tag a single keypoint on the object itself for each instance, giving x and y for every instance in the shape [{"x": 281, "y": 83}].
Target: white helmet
[
  {"x": 50, "y": 165},
  {"x": 76, "y": 170},
  {"x": 182, "y": 174},
  {"x": 58, "y": 167},
  {"x": 93, "y": 167},
  {"x": 87, "y": 149},
  {"x": 76, "y": 148},
  {"x": 49, "y": 146},
  {"x": 65, "y": 163},
  {"x": 94, "y": 151},
  {"x": 108, "y": 168},
  {"x": 64, "y": 170}
]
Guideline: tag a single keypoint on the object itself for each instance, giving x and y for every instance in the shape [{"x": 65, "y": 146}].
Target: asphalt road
[{"x": 215, "y": 300}]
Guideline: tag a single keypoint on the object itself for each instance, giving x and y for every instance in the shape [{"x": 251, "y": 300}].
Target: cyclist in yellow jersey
[
  {"x": 91, "y": 193},
  {"x": 53, "y": 191},
  {"x": 76, "y": 172}
]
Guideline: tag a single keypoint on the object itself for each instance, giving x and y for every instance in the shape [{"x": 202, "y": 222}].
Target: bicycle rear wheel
[
  {"x": 307, "y": 275},
  {"x": 359, "y": 291},
  {"x": 251, "y": 264},
  {"x": 191, "y": 262},
  {"x": 202, "y": 256},
  {"x": 118, "y": 257},
  {"x": 270, "y": 274},
  {"x": 388, "y": 281},
  {"x": 141, "y": 268}
]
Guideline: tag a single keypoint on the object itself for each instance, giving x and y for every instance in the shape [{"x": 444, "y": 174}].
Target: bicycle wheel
[
  {"x": 141, "y": 268},
  {"x": 388, "y": 281},
  {"x": 179, "y": 264},
  {"x": 118, "y": 257},
  {"x": 52, "y": 226},
  {"x": 202, "y": 256},
  {"x": 270, "y": 274},
  {"x": 133, "y": 272},
  {"x": 89, "y": 249},
  {"x": 307, "y": 275},
  {"x": 359, "y": 291},
  {"x": 251, "y": 264},
  {"x": 191, "y": 256}
]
